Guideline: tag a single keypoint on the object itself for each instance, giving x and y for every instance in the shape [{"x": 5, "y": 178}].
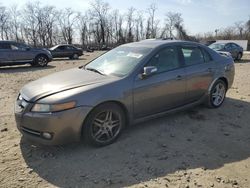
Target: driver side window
[
  {"x": 165, "y": 60},
  {"x": 61, "y": 48},
  {"x": 228, "y": 46}
]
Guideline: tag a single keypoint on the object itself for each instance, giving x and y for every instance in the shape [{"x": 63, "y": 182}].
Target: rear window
[
  {"x": 4, "y": 46},
  {"x": 192, "y": 55},
  {"x": 207, "y": 56}
]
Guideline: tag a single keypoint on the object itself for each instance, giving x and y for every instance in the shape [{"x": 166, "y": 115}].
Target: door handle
[{"x": 179, "y": 77}]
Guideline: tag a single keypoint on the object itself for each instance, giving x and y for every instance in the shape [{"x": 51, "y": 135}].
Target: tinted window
[
  {"x": 165, "y": 60},
  {"x": 217, "y": 46},
  {"x": 14, "y": 47},
  {"x": 234, "y": 45},
  {"x": 70, "y": 48},
  {"x": 207, "y": 56},
  {"x": 4, "y": 46},
  {"x": 228, "y": 46},
  {"x": 61, "y": 48},
  {"x": 192, "y": 55},
  {"x": 19, "y": 46}
]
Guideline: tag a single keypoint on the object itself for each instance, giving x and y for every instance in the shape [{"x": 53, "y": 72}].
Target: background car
[
  {"x": 65, "y": 50},
  {"x": 234, "y": 49},
  {"x": 14, "y": 53},
  {"x": 129, "y": 84}
]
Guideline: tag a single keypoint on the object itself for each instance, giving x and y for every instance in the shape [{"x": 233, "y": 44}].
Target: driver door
[
  {"x": 20, "y": 53},
  {"x": 163, "y": 90}
]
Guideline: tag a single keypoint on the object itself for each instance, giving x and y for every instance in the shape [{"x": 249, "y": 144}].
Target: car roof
[
  {"x": 153, "y": 43},
  {"x": 221, "y": 42},
  {"x": 7, "y": 41},
  {"x": 63, "y": 45}
]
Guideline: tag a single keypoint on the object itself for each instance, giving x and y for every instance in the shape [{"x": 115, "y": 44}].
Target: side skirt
[{"x": 161, "y": 114}]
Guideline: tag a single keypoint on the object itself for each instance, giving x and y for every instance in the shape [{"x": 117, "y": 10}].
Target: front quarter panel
[{"x": 95, "y": 94}]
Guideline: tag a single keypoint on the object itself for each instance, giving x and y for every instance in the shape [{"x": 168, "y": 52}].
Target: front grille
[{"x": 30, "y": 131}]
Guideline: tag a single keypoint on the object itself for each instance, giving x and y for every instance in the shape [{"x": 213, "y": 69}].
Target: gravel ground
[{"x": 197, "y": 148}]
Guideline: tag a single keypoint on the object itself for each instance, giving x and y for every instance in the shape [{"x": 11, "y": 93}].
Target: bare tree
[
  {"x": 148, "y": 33},
  {"x": 139, "y": 26},
  {"x": 43, "y": 25},
  {"x": 67, "y": 19},
  {"x": 30, "y": 22},
  {"x": 15, "y": 23},
  {"x": 83, "y": 26},
  {"x": 171, "y": 21},
  {"x": 130, "y": 24},
  {"x": 152, "y": 22},
  {"x": 228, "y": 33},
  {"x": 4, "y": 18},
  {"x": 99, "y": 12},
  {"x": 240, "y": 28}
]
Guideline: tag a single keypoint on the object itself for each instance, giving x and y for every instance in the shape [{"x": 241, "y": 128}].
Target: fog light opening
[{"x": 47, "y": 136}]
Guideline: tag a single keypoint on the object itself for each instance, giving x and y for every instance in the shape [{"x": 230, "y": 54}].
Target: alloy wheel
[
  {"x": 75, "y": 56},
  {"x": 218, "y": 94},
  {"x": 42, "y": 61},
  {"x": 106, "y": 126}
]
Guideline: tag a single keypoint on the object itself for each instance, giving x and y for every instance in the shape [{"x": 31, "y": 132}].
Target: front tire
[
  {"x": 104, "y": 124},
  {"x": 41, "y": 61},
  {"x": 217, "y": 94}
]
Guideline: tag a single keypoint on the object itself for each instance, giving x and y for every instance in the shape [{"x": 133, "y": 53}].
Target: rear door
[
  {"x": 199, "y": 71},
  {"x": 70, "y": 51},
  {"x": 230, "y": 48},
  {"x": 235, "y": 49},
  {"x": 4, "y": 53}
]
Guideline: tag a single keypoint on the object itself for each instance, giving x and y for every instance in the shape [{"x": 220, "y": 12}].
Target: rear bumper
[{"x": 65, "y": 126}]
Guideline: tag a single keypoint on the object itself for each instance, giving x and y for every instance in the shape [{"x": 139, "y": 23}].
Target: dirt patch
[{"x": 200, "y": 147}]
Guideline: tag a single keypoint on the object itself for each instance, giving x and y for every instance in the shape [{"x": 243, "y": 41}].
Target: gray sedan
[
  {"x": 129, "y": 84},
  {"x": 235, "y": 50}
]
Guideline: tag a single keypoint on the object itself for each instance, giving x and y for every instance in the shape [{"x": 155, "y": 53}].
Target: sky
[{"x": 199, "y": 16}]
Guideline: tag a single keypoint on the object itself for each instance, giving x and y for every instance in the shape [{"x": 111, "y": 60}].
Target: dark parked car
[
  {"x": 234, "y": 49},
  {"x": 14, "y": 53},
  {"x": 131, "y": 83},
  {"x": 66, "y": 51}
]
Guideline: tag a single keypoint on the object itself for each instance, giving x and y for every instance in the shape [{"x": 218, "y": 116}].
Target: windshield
[
  {"x": 119, "y": 61},
  {"x": 54, "y": 47},
  {"x": 217, "y": 46}
]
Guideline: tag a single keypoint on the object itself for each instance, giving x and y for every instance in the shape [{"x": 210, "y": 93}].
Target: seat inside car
[
  {"x": 196, "y": 56},
  {"x": 167, "y": 60}
]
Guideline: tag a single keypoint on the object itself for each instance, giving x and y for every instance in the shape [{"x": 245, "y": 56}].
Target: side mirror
[
  {"x": 147, "y": 71},
  {"x": 27, "y": 48}
]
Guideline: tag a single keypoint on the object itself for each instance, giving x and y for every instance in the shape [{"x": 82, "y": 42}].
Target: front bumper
[
  {"x": 50, "y": 58},
  {"x": 64, "y": 126}
]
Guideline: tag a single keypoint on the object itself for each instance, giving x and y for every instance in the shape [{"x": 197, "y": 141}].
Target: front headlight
[{"x": 53, "y": 107}]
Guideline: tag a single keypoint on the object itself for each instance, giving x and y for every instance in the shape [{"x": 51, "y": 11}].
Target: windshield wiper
[{"x": 94, "y": 70}]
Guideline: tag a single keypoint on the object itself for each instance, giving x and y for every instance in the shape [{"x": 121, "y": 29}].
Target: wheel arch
[
  {"x": 119, "y": 103},
  {"x": 224, "y": 79},
  {"x": 41, "y": 54}
]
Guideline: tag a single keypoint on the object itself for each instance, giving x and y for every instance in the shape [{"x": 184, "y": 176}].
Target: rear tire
[
  {"x": 239, "y": 56},
  {"x": 104, "y": 124},
  {"x": 41, "y": 61},
  {"x": 217, "y": 94},
  {"x": 74, "y": 56}
]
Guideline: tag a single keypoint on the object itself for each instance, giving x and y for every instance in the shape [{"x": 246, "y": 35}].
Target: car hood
[{"x": 62, "y": 81}]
